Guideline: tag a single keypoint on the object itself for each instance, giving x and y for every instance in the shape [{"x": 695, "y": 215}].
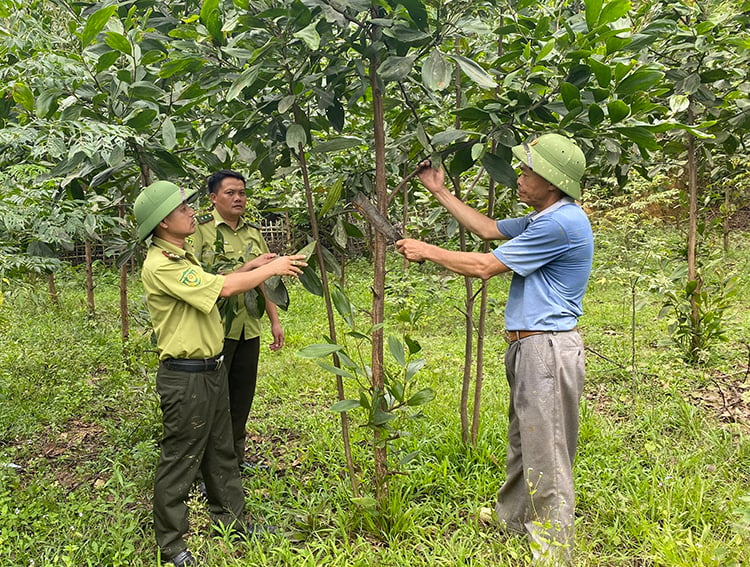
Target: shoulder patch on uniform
[
  {"x": 171, "y": 255},
  {"x": 190, "y": 278},
  {"x": 204, "y": 218}
]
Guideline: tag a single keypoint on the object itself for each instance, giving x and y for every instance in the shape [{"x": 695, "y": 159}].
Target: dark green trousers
[
  {"x": 241, "y": 359},
  {"x": 197, "y": 436}
]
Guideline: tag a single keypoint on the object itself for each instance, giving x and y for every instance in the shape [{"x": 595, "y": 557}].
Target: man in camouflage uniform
[{"x": 191, "y": 379}]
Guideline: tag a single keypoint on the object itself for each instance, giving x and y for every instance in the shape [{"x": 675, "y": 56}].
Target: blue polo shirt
[{"x": 550, "y": 253}]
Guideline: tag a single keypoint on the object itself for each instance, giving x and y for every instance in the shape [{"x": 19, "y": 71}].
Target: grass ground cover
[{"x": 663, "y": 471}]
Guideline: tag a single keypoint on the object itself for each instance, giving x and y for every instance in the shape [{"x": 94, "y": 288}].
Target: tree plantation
[{"x": 379, "y": 431}]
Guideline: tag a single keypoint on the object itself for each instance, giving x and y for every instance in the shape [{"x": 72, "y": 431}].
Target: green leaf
[
  {"x": 436, "y": 71},
  {"x": 210, "y": 17},
  {"x": 614, "y": 11},
  {"x": 145, "y": 90},
  {"x": 337, "y": 144},
  {"x": 593, "y": 9},
  {"x": 397, "y": 350},
  {"x": 602, "y": 72},
  {"x": 334, "y": 369},
  {"x": 311, "y": 281},
  {"x": 168, "y": 133},
  {"x": 475, "y": 72},
  {"x": 422, "y": 397},
  {"x": 448, "y": 136},
  {"x": 641, "y": 135},
  {"x": 246, "y": 78},
  {"x": 142, "y": 119},
  {"x": 343, "y": 305},
  {"x": 366, "y": 502},
  {"x": 255, "y": 302},
  {"x": 332, "y": 196},
  {"x": 617, "y": 110},
  {"x": 309, "y": 35},
  {"x": 417, "y": 12},
  {"x": 46, "y": 102},
  {"x": 639, "y": 81},
  {"x": 95, "y": 23},
  {"x": 309, "y": 249},
  {"x": 184, "y": 66},
  {"x": 118, "y": 42},
  {"x": 22, "y": 95},
  {"x": 413, "y": 367},
  {"x": 276, "y": 292},
  {"x": 396, "y": 68},
  {"x": 318, "y": 350},
  {"x": 345, "y": 405},
  {"x": 571, "y": 95},
  {"x": 500, "y": 170},
  {"x": 596, "y": 114},
  {"x": 296, "y": 137}
]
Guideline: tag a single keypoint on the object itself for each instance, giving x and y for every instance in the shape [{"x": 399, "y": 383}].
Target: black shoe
[
  {"x": 183, "y": 559},
  {"x": 246, "y": 467},
  {"x": 202, "y": 490}
]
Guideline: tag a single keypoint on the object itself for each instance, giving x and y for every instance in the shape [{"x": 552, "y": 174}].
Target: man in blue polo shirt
[{"x": 550, "y": 253}]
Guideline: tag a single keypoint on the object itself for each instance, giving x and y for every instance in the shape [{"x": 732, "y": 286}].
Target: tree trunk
[
  {"x": 331, "y": 320},
  {"x": 124, "y": 313},
  {"x": 378, "y": 284},
  {"x": 53, "y": 295},
  {"x": 692, "y": 171},
  {"x": 727, "y": 216},
  {"x": 89, "y": 277}
]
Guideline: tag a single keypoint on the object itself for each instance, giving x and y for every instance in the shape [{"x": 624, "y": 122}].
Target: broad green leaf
[
  {"x": 641, "y": 135},
  {"x": 343, "y": 305},
  {"x": 145, "y": 90},
  {"x": 318, "y": 350},
  {"x": 413, "y": 344},
  {"x": 118, "y": 42},
  {"x": 95, "y": 23},
  {"x": 405, "y": 34},
  {"x": 475, "y": 72},
  {"x": 334, "y": 370},
  {"x": 500, "y": 170},
  {"x": 332, "y": 196},
  {"x": 46, "y": 102},
  {"x": 345, "y": 405},
  {"x": 296, "y": 137},
  {"x": 396, "y": 68},
  {"x": 309, "y": 249},
  {"x": 246, "y": 78},
  {"x": 210, "y": 17},
  {"x": 337, "y": 144},
  {"x": 593, "y": 10},
  {"x": 639, "y": 81},
  {"x": 678, "y": 103},
  {"x": 142, "y": 119},
  {"x": 255, "y": 303},
  {"x": 617, "y": 110},
  {"x": 22, "y": 95},
  {"x": 448, "y": 136},
  {"x": 309, "y": 35},
  {"x": 286, "y": 103},
  {"x": 614, "y": 11},
  {"x": 436, "y": 71},
  {"x": 397, "y": 350},
  {"x": 211, "y": 135},
  {"x": 422, "y": 397},
  {"x": 366, "y": 502},
  {"x": 571, "y": 95},
  {"x": 413, "y": 367},
  {"x": 311, "y": 281},
  {"x": 183, "y": 66},
  {"x": 596, "y": 114},
  {"x": 276, "y": 292},
  {"x": 602, "y": 72},
  {"x": 168, "y": 133},
  {"x": 417, "y": 12}
]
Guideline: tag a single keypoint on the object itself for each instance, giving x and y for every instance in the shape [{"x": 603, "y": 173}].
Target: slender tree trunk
[
  {"x": 53, "y": 295},
  {"x": 727, "y": 217},
  {"x": 89, "y": 277},
  {"x": 378, "y": 284},
  {"x": 331, "y": 320},
  {"x": 124, "y": 312},
  {"x": 692, "y": 170}
]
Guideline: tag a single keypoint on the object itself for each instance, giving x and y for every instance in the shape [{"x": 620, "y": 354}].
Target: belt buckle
[{"x": 219, "y": 362}]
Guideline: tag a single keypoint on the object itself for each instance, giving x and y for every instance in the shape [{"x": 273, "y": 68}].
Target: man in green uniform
[
  {"x": 191, "y": 379},
  {"x": 241, "y": 239}
]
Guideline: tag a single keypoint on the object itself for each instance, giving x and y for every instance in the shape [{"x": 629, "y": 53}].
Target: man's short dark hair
[{"x": 215, "y": 179}]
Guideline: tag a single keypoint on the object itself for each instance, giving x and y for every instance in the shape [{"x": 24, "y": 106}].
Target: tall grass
[{"x": 662, "y": 477}]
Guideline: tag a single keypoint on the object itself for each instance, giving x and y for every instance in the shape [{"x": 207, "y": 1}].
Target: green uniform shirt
[
  {"x": 236, "y": 243},
  {"x": 181, "y": 300}
]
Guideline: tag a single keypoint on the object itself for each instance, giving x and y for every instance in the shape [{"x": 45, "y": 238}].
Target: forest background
[{"x": 317, "y": 101}]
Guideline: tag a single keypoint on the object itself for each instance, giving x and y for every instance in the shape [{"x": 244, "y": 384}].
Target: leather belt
[
  {"x": 513, "y": 336},
  {"x": 194, "y": 364}
]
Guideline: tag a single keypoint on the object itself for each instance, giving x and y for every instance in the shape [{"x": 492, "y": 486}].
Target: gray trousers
[
  {"x": 546, "y": 374},
  {"x": 197, "y": 436}
]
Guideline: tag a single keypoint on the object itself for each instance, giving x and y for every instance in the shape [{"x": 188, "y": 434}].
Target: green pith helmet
[
  {"x": 155, "y": 203},
  {"x": 556, "y": 158}
]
